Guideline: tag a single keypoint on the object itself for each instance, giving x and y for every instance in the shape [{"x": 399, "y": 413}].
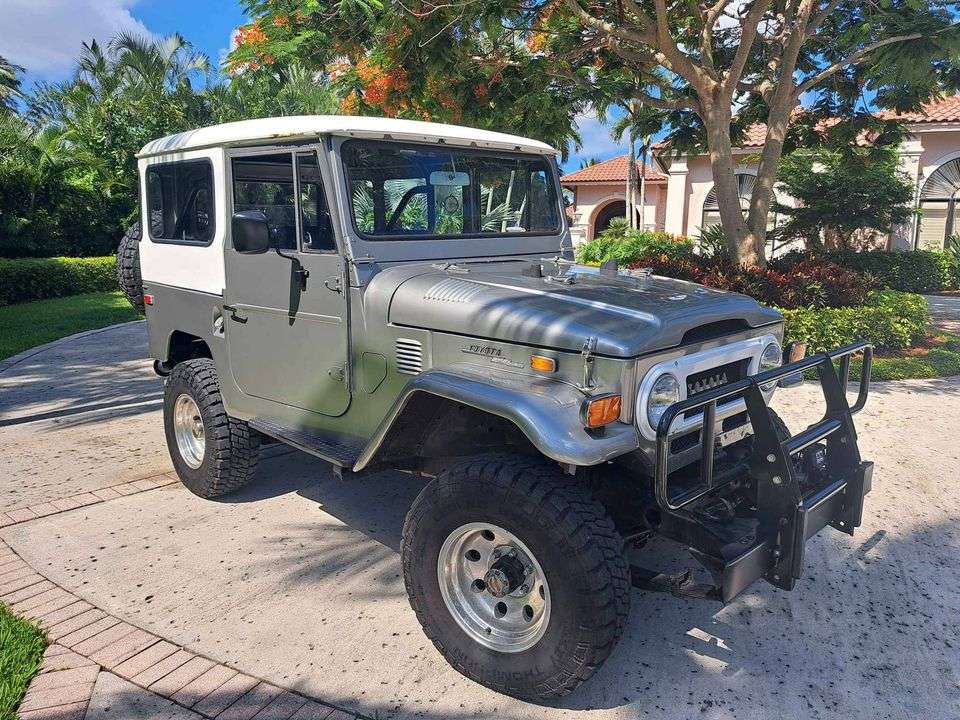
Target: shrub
[
  {"x": 809, "y": 283},
  {"x": 626, "y": 246},
  {"x": 915, "y": 271},
  {"x": 711, "y": 241},
  {"x": 38, "y": 278},
  {"x": 890, "y": 320}
]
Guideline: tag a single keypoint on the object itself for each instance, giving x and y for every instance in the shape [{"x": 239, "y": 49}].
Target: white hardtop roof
[{"x": 267, "y": 131}]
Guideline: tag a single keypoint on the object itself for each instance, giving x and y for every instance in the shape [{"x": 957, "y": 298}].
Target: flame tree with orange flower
[{"x": 709, "y": 67}]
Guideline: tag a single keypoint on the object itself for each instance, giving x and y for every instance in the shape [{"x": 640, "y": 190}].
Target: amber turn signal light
[
  {"x": 542, "y": 363},
  {"x": 601, "y": 411},
  {"x": 796, "y": 351}
]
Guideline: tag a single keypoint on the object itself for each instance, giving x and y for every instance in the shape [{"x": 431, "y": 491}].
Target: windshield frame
[{"x": 549, "y": 166}]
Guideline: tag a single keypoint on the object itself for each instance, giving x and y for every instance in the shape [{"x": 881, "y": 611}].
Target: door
[{"x": 286, "y": 326}]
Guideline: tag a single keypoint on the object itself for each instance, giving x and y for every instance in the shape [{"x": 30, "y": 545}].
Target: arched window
[
  {"x": 745, "y": 183},
  {"x": 938, "y": 205},
  {"x": 711, "y": 208}
]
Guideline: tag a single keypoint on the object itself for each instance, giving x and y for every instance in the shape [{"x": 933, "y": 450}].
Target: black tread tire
[
  {"x": 232, "y": 447},
  {"x": 128, "y": 266},
  {"x": 573, "y": 538}
]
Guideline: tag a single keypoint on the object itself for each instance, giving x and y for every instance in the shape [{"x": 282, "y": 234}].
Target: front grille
[{"x": 711, "y": 378}]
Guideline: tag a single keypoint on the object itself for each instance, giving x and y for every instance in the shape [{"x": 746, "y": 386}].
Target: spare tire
[{"x": 128, "y": 266}]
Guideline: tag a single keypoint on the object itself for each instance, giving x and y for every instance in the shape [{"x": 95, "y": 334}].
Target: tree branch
[
  {"x": 709, "y": 17},
  {"x": 854, "y": 58},
  {"x": 748, "y": 34},
  {"x": 820, "y": 17},
  {"x": 665, "y": 104},
  {"x": 603, "y": 26},
  {"x": 677, "y": 61}
]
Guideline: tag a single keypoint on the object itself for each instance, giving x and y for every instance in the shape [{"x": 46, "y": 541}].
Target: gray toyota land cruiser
[{"x": 388, "y": 294}]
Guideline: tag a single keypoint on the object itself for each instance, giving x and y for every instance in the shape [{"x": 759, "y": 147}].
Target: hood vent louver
[
  {"x": 453, "y": 290},
  {"x": 409, "y": 355}
]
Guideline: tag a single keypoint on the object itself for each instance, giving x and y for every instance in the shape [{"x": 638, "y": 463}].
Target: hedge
[
  {"x": 916, "y": 271},
  {"x": 890, "y": 320},
  {"x": 38, "y": 278}
]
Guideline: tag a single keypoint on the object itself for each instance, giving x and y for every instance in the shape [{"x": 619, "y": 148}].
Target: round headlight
[
  {"x": 772, "y": 357},
  {"x": 664, "y": 393}
]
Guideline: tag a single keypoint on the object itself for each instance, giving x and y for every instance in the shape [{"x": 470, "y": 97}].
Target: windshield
[{"x": 413, "y": 191}]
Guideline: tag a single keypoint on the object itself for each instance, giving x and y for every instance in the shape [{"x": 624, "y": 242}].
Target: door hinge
[{"x": 235, "y": 314}]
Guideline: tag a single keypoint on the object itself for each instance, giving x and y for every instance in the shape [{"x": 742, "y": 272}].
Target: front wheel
[{"x": 516, "y": 574}]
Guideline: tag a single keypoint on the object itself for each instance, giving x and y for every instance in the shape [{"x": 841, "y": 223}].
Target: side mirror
[{"x": 250, "y": 232}]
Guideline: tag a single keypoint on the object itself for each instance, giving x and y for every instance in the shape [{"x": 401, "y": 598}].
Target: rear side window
[{"x": 180, "y": 206}]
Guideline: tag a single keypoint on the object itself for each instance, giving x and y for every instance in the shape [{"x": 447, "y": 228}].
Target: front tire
[
  {"x": 213, "y": 453},
  {"x": 519, "y": 530}
]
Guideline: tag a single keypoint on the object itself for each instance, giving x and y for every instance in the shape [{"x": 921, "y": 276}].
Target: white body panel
[
  {"x": 193, "y": 267},
  {"x": 304, "y": 127}
]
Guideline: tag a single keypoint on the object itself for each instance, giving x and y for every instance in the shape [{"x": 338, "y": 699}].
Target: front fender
[{"x": 547, "y": 412}]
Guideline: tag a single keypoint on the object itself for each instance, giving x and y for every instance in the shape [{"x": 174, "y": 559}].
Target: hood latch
[{"x": 589, "y": 348}]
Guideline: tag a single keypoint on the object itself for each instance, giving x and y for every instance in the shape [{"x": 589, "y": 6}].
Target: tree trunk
[
  {"x": 778, "y": 121},
  {"x": 643, "y": 182},
  {"x": 743, "y": 245},
  {"x": 629, "y": 191}
]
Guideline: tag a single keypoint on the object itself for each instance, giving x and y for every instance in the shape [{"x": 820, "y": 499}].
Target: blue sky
[{"x": 44, "y": 36}]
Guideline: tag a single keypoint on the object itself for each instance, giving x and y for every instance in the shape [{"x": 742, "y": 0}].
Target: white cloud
[{"x": 44, "y": 36}]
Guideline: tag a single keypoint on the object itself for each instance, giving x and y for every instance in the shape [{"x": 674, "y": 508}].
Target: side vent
[{"x": 409, "y": 356}]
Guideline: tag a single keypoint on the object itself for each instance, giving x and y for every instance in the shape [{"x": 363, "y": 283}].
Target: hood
[{"x": 629, "y": 315}]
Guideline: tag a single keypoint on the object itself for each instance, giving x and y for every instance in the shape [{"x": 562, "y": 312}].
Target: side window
[
  {"x": 180, "y": 202},
  {"x": 265, "y": 183},
  {"x": 315, "y": 223}
]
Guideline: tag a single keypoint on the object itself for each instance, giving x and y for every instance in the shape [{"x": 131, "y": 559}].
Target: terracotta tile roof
[
  {"x": 938, "y": 111},
  {"x": 610, "y": 171},
  {"x": 944, "y": 110}
]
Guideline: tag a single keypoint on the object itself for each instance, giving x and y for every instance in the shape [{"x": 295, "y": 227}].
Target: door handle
[
  {"x": 235, "y": 314},
  {"x": 334, "y": 284}
]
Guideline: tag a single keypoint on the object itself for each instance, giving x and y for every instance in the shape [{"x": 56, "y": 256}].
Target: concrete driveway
[{"x": 297, "y": 580}]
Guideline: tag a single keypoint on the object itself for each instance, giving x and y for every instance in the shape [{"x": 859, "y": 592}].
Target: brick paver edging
[
  {"x": 85, "y": 640},
  {"x": 55, "y": 507}
]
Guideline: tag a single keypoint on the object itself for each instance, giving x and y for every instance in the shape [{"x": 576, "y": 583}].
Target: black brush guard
[{"x": 767, "y": 541}]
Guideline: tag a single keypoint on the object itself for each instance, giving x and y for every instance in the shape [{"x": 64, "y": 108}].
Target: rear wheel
[
  {"x": 516, "y": 574},
  {"x": 213, "y": 453}
]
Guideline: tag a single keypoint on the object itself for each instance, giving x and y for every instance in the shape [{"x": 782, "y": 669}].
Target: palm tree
[
  {"x": 267, "y": 93},
  {"x": 159, "y": 67},
  {"x": 9, "y": 82}
]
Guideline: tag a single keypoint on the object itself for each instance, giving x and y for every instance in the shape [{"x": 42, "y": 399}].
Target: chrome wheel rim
[
  {"x": 188, "y": 429},
  {"x": 494, "y": 587}
]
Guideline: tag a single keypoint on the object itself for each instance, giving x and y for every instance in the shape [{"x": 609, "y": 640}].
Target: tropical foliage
[
  {"x": 532, "y": 67},
  {"x": 846, "y": 196},
  {"x": 68, "y": 180}
]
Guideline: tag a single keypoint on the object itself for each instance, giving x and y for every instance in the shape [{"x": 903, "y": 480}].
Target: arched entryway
[
  {"x": 607, "y": 214},
  {"x": 938, "y": 207}
]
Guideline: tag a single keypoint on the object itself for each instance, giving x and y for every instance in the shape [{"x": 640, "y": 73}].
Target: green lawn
[
  {"x": 21, "y": 650},
  {"x": 25, "y": 325}
]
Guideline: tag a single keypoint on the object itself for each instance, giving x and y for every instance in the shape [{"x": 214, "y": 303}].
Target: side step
[
  {"x": 679, "y": 584},
  {"x": 339, "y": 454}
]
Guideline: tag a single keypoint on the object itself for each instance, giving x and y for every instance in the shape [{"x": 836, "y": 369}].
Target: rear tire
[
  {"x": 558, "y": 529},
  {"x": 128, "y": 266},
  {"x": 213, "y": 453}
]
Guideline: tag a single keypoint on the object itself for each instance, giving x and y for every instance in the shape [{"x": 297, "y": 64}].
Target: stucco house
[{"x": 679, "y": 195}]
